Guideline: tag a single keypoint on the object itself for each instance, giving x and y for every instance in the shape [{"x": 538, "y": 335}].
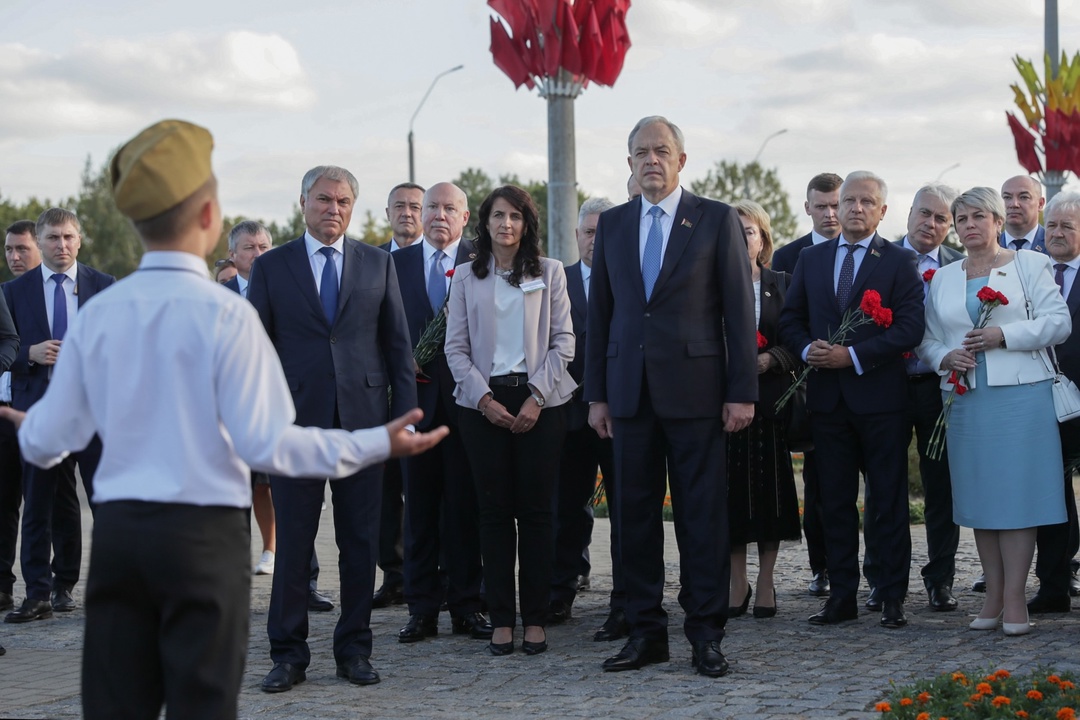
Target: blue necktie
[
  {"x": 1019, "y": 243},
  {"x": 1059, "y": 276},
  {"x": 847, "y": 277},
  {"x": 59, "y": 323},
  {"x": 650, "y": 263},
  {"x": 328, "y": 286},
  {"x": 436, "y": 282}
]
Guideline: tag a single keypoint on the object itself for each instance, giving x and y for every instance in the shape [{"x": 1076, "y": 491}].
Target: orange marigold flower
[
  {"x": 923, "y": 716},
  {"x": 1000, "y": 700},
  {"x": 883, "y": 707},
  {"x": 1021, "y": 713},
  {"x": 1053, "y": 679},
  {"x": 1066, "y": 713},
  {"x": 923, "y": 697},
  {"x": 904, "y": 702},
  {"x": 1001, "y": 674},
  {"x": 968, "y": 705},
  {"x": 976, "y": 697},
  {"x": 984, "y": 688},
  {"x": 960, "y": 678},
  {"x": 1066, "y": 685},
  {"x": 1034, "y": 695}
]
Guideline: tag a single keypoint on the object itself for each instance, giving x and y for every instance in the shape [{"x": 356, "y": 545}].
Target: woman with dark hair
[
  {"x": 508, "y": 340},
  {"x": 763, "y": 506}
]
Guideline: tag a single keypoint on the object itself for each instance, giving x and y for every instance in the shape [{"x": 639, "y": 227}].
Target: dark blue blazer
[
  {"x": 346, "y": 370},
  {"x": 409, "y": 262},
  {"x": 577, "y": 409},
  {"x": 946, "y": 254},
  {"x": 9, "y": 337},
  {"x": 26, "y": 300},
  {"x": 1038, "y": 245},
  {"x": 812, "y": 313},
  {"x": 233, "y": 284},
  {"x": 695, "y": 337},
  {"x": 784, "y": 259},
  {"x": 1068, "y": 352}
]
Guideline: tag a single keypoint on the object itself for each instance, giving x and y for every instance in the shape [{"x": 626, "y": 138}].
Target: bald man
[{"x": 1023, "y": 202}]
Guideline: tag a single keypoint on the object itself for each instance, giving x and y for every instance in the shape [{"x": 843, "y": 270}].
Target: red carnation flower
[
  {"x": 987, "y": 294},
  {"x": 761, "y": 341},
  {"x": 450, "y": 272},
  {"x": 928, "y": 275}
]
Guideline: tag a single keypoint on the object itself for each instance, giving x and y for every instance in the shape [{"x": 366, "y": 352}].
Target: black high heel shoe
[
  {"x": 766, "y": 612},
  {"x": 733, "y": 612},
  {"x": 499, "y": 649}
]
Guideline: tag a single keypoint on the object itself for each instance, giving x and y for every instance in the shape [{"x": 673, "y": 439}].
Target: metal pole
[
  {"x": 948, "y": 169},
  {"x": 746, "y": 170},
  {"x": 562, "y": 176},
  {"x": 1051, "y": 26},
  {"x": 413, "y": 118}
]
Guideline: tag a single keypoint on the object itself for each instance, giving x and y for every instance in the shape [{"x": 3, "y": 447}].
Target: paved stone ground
[{"x": 781, "y": 668}]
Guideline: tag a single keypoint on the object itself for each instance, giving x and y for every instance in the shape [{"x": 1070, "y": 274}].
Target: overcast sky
[{"x": 906, "y": 88}]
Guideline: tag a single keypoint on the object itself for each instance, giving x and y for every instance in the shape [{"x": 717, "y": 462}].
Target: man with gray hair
[
  {"x": 583, "y": 451},
  {"x": 332, "y": 309},
  {"x": 1057, "y": 544},
  {"x": 859, "y": 394},
  {"x": 248, "y": 240}
]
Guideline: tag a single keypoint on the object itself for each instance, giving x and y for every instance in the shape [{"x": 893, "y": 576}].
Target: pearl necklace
[{"x": 972, "y": 273}]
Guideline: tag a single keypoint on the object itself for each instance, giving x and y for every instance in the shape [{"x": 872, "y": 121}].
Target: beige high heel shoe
[
  {"x": 985, "y": 623},
  {"x": 1017, "y": 628}
]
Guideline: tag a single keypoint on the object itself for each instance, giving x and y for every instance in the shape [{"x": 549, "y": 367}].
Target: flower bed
[{"x": 999, "y": 694}]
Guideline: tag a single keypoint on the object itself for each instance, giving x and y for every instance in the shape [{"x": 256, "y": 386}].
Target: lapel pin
[
  {"x": 472, "y": 256},
  {"x": 768, "y": 294},
  {"x": 875, "y": 253},
  {"x": 686, "y": 223}
]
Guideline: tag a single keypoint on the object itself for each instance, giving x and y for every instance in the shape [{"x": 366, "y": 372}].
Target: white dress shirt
[
  {"x": 70, "y": 289},
  {"x": 447, "y": 261},
  {"x": 178, "y": 377},
  {"x": 509, "y": 354},
  {"x": 669, "y": 205},
  {"x": 1071, "y": 268},
  {"x": 1029, "y": 239},
  {"x": 242, "y": 284},
  {"x": 586, "y": 276},
  {"x": 318, "y": 260},
  {"x": 5, "y": 387}
]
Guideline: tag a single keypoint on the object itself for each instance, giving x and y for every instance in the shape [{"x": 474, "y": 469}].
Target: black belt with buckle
[
  {"x": 515, "y": 380},
  {"x": 923, "y": 376}
]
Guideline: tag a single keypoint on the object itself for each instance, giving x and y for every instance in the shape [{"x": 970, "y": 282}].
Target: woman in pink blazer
[{"x": 508, "y": 340}]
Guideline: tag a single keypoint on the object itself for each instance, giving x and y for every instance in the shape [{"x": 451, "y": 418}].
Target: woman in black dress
[{"x": 762, "y": 503}]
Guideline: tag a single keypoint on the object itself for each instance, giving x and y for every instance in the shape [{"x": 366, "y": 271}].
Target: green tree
[
  {"x": 729, "y": 181},
  {"x": 374, "y": 231},
  {"x": 11, "y": 212},
  {"x": 291, "y": 229},
  {"x": 109, "y": 243},
  {"x": 477, "y": 185}
]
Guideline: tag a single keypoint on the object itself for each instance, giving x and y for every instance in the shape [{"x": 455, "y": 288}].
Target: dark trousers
[
  {"x": 10, "y": 502},
  {"x": 845, "y": 442},
  {"x": 652, "y": 452},
  {"x": 442, "y": 522},
  {"x": 52, "y": 517},
  {"x": 583, "y": 451},
  {"x": 813, "y": 529},
  {"x": 391, "y": 526},
  {"x": 167, "y": 607},
  {"x": 297, "y": 506},
  {"x": 515, "y": 476},
  {"x": 1057, "y": 544}
]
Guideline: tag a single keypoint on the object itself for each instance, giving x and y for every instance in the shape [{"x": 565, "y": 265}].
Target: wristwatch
[{"x": 539, "y": 399}]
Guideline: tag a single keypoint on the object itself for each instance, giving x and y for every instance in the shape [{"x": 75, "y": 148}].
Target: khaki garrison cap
[{"x": 160, "y": 167}]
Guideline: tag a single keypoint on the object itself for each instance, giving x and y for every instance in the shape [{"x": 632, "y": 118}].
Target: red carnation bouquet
[
  {"x": 870, "y": 310},
  {"x": 988, "y": 300},
  {"x": 761, "y": 340},
  {"x": 432, "y": 339}
]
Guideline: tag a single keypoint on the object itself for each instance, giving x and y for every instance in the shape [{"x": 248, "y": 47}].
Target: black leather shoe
[
  {"x": 1074, "y": 579},
  {"x": 319, "y": 602},
  {"x": 733, "y": 612},
  {"x": 386, "y": 596},
  {"x": 1041, "y": 604},
  {"x": 892, "y": 614},
  {"x": 583, "y": 583},
  {"x": 819, "y": 584},
  {"x": 559, "y": 611},
  {"x": 500, "y": 649},
  {"x": 358, "y": 671},
  {"x": 475, "y": 625},
  {"x": 708, "y": 660},
  {"x": 62, "y": 600},
  {"x": 873, "y": 600},
  {"x": 418, "y": 628},
  {"x": 941, "y": 598},
  {"x": 282, "y": 678},
  {"x": 836, "y": 611},
  {"x": 30, "y": 610},
  {"x": 614, "y": 628},
  {"x": 534, "y": 648},
  {"x": 6, "y": 601},
  {"x": 979, "y": 585},
  {"x": 2, "y": 650},
  {"x": 637, "y": 653}
]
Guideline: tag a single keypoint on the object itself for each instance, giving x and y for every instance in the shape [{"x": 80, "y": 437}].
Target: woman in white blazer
[
  {"x": 1003, "y": 444},
  {"x": 509, "y": 339}
]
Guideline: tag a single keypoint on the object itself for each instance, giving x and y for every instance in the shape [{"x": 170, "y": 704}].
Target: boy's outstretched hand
[{"x": 404, "y": 442}]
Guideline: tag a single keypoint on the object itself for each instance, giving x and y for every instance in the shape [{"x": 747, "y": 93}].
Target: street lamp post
[
  {"x": 948, "y": 169},
  {"x": 412, "y": 173},
  {"x": 746, "y": 177}
]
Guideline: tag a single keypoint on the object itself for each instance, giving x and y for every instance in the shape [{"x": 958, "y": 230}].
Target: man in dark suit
[
  {"x": 1023, "y": 201},
  {"x": 928, "y": 224},
  {"x": 22, "y": 254},
  {"x": 332, "y": 308},
  {"x": 858, "y": 395},
  {"x": 1057, "y": 544},
  {"x": 823, "y": 206},
  {"x": 670, "y": 367},
  {"x": 41, "y": 301},
  {"x": 583, "y": 451},
  {"x": 403, "y": 208},
  {"x": 441, "y": 511}
]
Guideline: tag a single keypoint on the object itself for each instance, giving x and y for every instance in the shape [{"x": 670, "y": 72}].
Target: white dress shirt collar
[
  {"x": 817, "y": 238},
  {"x": 933, "y": 254},
  {"x": 72, "y": 273},
  {"x": 669, "y": 204},
  {"x": 313, "y": 246},
  {"x": 1029, "y": 236},
  {"x": 450, "y": 251}
]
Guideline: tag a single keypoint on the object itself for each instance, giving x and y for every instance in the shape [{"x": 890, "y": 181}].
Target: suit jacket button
[
  {"x": 648, "y": 314},
  {"x": 333, "y": 339}
]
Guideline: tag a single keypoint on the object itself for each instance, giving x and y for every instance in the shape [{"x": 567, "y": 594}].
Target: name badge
[{"x": 533, "y": 285}]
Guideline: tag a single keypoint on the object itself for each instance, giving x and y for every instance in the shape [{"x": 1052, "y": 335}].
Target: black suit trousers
[
  {"x": 651, "y": 454},
  {"x": 844, "y": 442},
  {"x": 167, "y": 610},
  {"x": 10, "y": 502},
  {"x": 583, "y": 451},
  {"x": 297, "y": 502},
  {"x": 813, "y": 528},
  {"x": 391, "y": 524},
  {"x": 1057, "y": 544}
]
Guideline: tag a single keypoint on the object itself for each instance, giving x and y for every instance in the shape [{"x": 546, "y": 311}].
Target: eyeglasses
[{"x": 223, "y": 262}]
